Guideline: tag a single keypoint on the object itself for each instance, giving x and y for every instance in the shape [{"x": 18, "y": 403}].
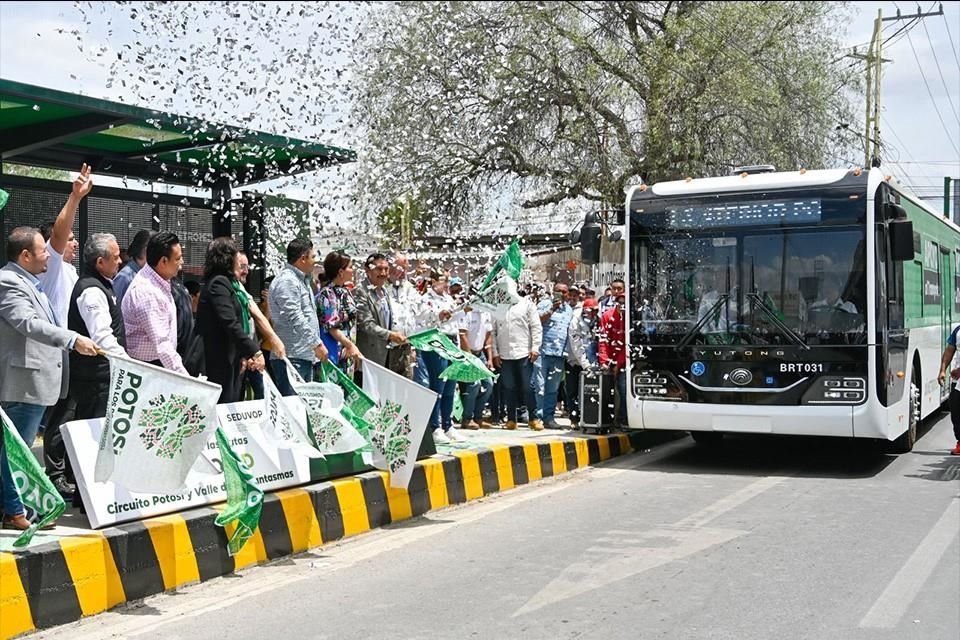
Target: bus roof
[{"x": 741, "y": 182}]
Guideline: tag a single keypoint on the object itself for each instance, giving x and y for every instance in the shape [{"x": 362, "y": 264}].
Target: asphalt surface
[{"x": 761, "y": 538}]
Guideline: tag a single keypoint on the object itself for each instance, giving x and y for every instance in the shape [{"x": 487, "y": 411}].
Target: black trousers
[
  {"x": 955, "y": 412},
  {"x": 54, "y": 451},
  {"x": 572, "y": 384}
]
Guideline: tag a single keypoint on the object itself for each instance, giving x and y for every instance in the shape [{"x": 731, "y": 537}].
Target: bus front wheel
[{"x": 904, "y": 444}]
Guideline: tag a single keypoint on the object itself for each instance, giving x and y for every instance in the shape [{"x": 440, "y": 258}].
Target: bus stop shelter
[{"x": 42, "y": 127}]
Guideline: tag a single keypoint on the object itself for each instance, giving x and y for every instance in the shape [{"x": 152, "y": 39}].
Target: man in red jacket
[{"x": 612, "y": 353}]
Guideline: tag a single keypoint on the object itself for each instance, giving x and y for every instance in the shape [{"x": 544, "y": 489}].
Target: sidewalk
[{"x": 73, "y": 571}]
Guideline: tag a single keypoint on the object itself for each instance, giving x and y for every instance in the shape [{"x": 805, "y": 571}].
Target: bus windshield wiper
[
  {"x": 755, "y": 300},
  {"x": 692, "y": 332}
]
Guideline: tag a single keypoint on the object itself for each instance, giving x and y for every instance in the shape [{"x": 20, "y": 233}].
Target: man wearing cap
[{"x": 581, "y": 353}]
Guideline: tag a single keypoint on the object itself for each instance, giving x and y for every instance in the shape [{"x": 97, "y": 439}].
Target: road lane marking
[
  {"x": 639, "y": 551},
  {"x": 889, "y": 608}
]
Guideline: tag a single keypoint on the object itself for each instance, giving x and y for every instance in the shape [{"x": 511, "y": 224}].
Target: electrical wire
[
  {"x": 946, "y": 23},
  {"x": 936, "y": 59},
  {"x": 932, "y": 99}
]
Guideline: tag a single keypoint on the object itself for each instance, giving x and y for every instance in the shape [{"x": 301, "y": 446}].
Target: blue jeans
[
  {"x": 26, "y": 419},
  {"x": 433, "y": 366},
  {"x": 552, "y": 367},
  {"x": 536, "y": 386},
  {"x": 515, "y": 376},
  {"x": 303, "y": 367},
  {"x": 475, "y": 399}
]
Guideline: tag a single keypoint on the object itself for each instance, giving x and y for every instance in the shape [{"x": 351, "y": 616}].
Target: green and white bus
[{"x": 807, "y": 303}]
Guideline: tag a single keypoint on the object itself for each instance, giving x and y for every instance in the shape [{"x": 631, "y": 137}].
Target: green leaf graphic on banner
[
  {"x": 167, "y": 423},
  {"x": 390, "y": 433}
]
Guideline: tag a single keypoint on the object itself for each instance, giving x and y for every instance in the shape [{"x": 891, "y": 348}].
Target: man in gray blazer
[
  {"x": 375, "y": 323},
  {"x": 35, "y": 352}
]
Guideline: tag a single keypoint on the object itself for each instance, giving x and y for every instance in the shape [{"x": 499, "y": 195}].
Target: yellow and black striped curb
[{"x": 82, "y": 575}]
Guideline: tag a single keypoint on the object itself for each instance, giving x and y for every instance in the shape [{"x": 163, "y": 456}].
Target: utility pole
[{"x": 874, "y": 60}]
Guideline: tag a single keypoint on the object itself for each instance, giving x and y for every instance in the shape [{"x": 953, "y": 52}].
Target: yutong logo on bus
[{"x": 746, "y": 354}]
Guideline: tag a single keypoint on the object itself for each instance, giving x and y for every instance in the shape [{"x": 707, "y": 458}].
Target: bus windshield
[{"x": 749, "y": 284}]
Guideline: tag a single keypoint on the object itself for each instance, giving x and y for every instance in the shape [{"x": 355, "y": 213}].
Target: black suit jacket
[{"x": 225, "y": 343}]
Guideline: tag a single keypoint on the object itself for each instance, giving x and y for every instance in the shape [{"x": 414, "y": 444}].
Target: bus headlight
[
  {"x": 836, "y": 390},
  {"x": 651, "y": 384}
]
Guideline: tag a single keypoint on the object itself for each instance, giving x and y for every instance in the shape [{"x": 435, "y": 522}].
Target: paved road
[{"x": 765, "y": 538}]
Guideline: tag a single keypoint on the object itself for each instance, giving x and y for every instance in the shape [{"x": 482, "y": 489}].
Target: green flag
[
  {"x": 35, "y": 489},
  {"x": 457, "y": 413},
  {"x": 244, "y": 498},
  {"x": 353, "y": 396},
  {"x": 464, "y": 366},
  {"x": 511, "y": 261},
  {"x": 4, "y": 196}
]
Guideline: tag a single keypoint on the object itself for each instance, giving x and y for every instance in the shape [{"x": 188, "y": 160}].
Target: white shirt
[
  {"x": 95, "y": 311},
  {"x": 519, "y": 333},
  {"x": 428, "y": 315},
  {"x": 405, "y": 303},
  {"x": 57, "y": 282},
  {"x": 478, "y": 324}
]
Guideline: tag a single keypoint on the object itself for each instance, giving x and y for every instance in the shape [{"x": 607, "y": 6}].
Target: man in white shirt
[
  {"x": 58, "y": 282},
  {"x": 516, "y": 346},
  {"x": 478, "y": 327},
  {"x": 61, "y": 276}
]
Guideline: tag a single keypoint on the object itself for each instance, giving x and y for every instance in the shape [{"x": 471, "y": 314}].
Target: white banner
[
  {"x": 172, "y": 415},
  {"x": 274, "y": 467},
  {"x": 398, "y": 422}
]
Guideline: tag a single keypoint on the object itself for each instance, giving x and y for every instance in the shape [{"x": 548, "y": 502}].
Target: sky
[{"x": 72, "y": 47}]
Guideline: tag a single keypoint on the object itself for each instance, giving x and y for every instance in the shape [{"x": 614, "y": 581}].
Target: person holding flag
[
  {"x": 436, "y": 310},
  {"x": 516, "y": 346},
  {"x": 34, "y": 348}
]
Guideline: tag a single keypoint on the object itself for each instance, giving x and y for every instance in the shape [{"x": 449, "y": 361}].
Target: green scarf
[{"x": 244, "y": 299}]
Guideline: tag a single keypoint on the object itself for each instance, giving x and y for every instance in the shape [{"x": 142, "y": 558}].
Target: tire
[
  {"x": 707, "y": 438},
  {"x": 904, "y": 444}
]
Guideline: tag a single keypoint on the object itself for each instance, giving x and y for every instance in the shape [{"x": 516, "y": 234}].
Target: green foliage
[
  {"x": 581, "y": 99},
  {"x": 35, "y": 172},
  {"x": 403, "y": 220}
]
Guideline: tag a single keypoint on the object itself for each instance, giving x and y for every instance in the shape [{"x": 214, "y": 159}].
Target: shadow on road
[
  {"x": 946, "y": 469},
  {"x": 766, "y": 455}
]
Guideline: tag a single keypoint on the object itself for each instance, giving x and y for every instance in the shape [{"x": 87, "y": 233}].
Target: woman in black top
[{"x": 225, "y": 323}]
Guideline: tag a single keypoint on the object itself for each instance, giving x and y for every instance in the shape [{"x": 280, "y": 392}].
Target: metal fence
[{"x": 122, "y": 212}]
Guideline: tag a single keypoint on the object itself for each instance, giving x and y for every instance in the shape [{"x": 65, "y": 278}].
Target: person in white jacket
[{"x": 516, "y": 346}]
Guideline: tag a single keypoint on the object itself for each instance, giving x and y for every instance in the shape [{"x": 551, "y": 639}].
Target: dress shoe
[
  {"x": 510, "y": 426},
  {"x": 536, "y": 424},
  {"x": 20, "y": 523}
]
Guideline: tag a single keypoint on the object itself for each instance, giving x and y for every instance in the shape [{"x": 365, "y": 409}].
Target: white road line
[
  {"x": 889, "y": 608},
  {"x": 708, "y": 514}
]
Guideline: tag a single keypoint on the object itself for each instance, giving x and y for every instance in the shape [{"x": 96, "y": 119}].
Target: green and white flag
[
  {"x": 354, "y": 398},
  {"x": 34, "y": 487},
  {"x": 398, "y": 422},
  {"x": 329, "y": 430},
  {"x": 464, "y": 366},
  {"x": 283, "y": 425},
  {"x": 497, "y": 298},
  {"x": 510, "y": 262},
  {"x": 244, "y": 498},
  {"x": 156, "y": 427}
]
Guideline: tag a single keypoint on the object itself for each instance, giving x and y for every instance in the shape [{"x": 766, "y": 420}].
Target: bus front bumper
[{"x": 786, "y": 420}]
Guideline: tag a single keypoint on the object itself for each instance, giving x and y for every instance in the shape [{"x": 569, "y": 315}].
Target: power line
[
  {"x": 936, "y": 59},
  {"x": 946, "y": 23},
  {"x": 930, "y": 93}
]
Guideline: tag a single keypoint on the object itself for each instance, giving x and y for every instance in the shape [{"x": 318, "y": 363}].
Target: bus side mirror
[
  {"x": 894, "y": 211},
  {"x": 901, "y": 239}
]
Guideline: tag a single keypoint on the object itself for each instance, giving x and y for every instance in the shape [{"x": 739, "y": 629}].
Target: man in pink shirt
[{"x": 149, "y": 313}]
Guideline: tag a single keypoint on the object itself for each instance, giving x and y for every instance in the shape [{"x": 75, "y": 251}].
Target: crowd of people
[{"x": 57, "y": 328}]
